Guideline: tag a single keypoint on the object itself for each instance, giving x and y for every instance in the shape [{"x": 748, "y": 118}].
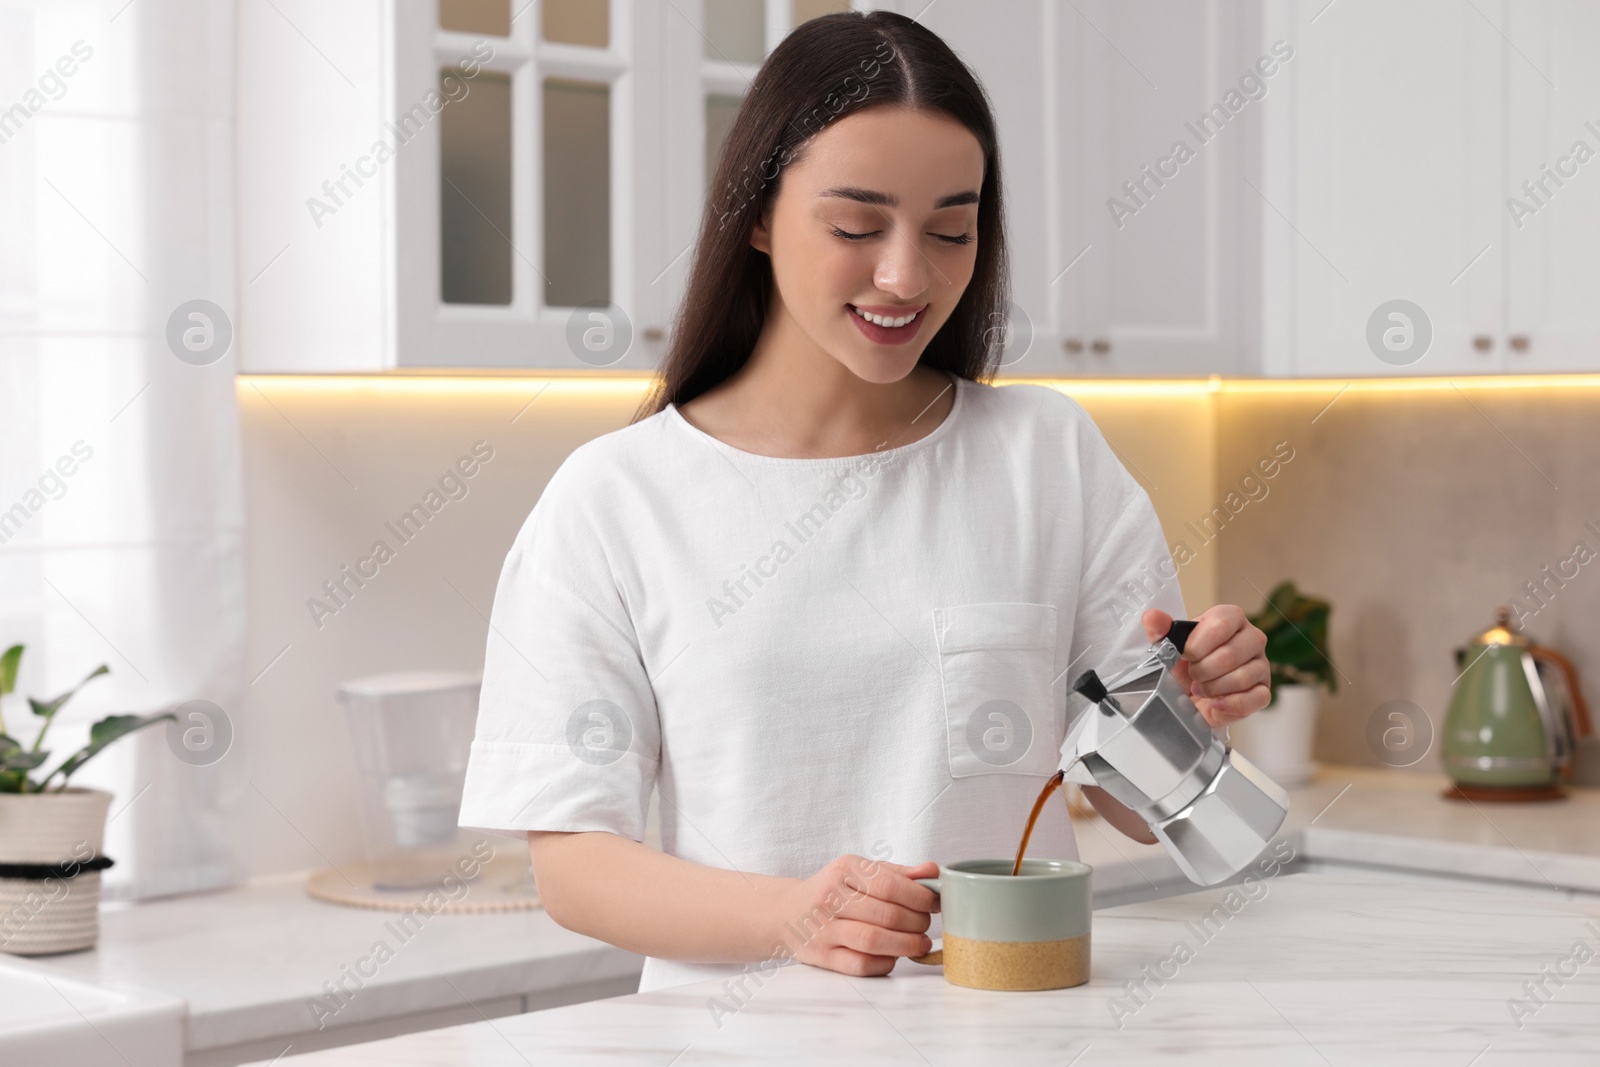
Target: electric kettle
[
  {"x": 1515, "y": 716},
  {"x": 1143, "y": 741}
]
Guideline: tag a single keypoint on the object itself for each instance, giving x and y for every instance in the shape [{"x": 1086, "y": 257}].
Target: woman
[{"x": 820, "y": 598}]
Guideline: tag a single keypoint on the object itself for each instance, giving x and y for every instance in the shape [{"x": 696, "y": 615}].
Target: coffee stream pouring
[{"x": 1211, "y": 808}]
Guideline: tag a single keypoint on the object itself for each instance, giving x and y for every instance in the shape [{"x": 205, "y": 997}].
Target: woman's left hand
[{"x": 1224, "y": 664}]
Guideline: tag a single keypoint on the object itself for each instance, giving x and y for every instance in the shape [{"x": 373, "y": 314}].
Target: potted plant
[
  {"x": 1279, "y": 737},
  {"x": 51, "y": 834}
]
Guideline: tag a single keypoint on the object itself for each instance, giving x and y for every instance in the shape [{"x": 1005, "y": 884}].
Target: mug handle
[{"x": 936, "y": 957}]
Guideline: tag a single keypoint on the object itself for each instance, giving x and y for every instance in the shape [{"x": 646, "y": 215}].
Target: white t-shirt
[{"x": 813, "y": 657}]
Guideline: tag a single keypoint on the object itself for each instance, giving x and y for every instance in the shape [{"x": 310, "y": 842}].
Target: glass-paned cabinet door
[
  {"x": 736, "y": 30},
  {"x": 509, "y": 212},
  {"x": 555, "y": 167},
  {"x": 475, "y": 259},
  {"x": 737, "y": 36},
  {"x": 806, "y": 10},
  {"x": 490, "y": 18},
  {"x": 581, "y": 22},
  {"x": 721, "y": 108},
  {"x": 576, "y": 153}
]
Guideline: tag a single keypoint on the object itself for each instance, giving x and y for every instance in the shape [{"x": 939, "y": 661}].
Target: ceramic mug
[{"x": 1030, "y": 931}]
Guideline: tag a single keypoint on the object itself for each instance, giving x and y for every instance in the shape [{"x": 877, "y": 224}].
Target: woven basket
[{"x": 39, "y": 916}]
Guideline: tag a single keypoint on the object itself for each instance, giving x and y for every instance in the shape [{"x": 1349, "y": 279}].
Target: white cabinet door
[
  {"x": 1164, "y": 199},
  {"x": 312, "y": 232},
  {"x": 1086, "y": 97},
  {"x": 1393, "y": 147},
  {"x": 1551, "y": 216},
  {"x": 1009, "y": 47}
]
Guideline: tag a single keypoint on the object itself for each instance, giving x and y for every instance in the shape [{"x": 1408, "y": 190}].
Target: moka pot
[{"x": 1143, "y": 741}]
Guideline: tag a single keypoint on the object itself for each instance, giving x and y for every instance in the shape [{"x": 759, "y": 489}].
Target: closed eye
[{"x": 961, "y": 239}]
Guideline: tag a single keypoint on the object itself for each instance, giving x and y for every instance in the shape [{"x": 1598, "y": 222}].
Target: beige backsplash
[
  {"x": 1411, "y": 512},
  {"x": 1415, "y": 513}
]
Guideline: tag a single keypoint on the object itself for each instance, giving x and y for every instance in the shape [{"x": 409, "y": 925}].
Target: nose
[{"x": 902, "y": 269}]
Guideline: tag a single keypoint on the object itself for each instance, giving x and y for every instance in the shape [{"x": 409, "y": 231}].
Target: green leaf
[
  {"x": 51, "y": 707},
  {"x": 13, "y": 757},
  {"x": 1297, "y": 638},
  {"x": 48, "y": 710},
  {"x": 102, "y": 734},
  {"x": 8, "y": 669},
  {"x": 22, "y": 760},
  {"x": 15, "y": 762}
]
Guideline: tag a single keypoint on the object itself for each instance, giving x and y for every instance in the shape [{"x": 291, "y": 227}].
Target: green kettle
[{"x": 1514, "y": 717}]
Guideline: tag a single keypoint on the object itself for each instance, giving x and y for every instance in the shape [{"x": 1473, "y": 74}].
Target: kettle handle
[{"x": 1581, "y": 724}]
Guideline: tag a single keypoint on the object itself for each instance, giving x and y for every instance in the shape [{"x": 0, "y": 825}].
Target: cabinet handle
[
  {"x": 1073, "y": 345},
  {"x": 1100, "y": 345},
  {"x": 1519, "y": 342},
  {"x": 1483, "y": 342}
]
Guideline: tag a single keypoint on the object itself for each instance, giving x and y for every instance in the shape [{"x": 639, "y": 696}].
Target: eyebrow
[{"x": 872, "y": 196}]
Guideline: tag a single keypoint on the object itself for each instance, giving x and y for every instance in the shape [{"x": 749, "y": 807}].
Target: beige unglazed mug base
[{"x": 1016, "y": 965}]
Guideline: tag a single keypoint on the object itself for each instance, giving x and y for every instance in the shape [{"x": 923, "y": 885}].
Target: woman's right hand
[{"x": 858, "y": 916}]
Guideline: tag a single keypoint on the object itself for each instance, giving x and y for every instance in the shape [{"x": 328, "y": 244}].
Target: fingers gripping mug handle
[{"x": 936, "y": 957}]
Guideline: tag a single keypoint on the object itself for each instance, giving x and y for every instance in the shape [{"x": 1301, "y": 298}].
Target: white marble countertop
[
  {"x": 1360, "y": 816},
  {"x": 50, "y": 1018},
  {"x": 249, "y": 960},
  {"x": 1310, "y": 968}
]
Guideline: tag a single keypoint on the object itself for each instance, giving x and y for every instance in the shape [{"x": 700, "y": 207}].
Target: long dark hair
[{"x": 827, "y": 68}]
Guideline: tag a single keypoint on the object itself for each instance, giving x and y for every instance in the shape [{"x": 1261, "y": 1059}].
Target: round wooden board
[
  {"x": 1457, "y": 791},
  {"x": 502, "y": 885}
]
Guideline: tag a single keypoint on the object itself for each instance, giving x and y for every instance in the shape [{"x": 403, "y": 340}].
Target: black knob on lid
[
  {"x": 1090, "y": 685},
  {"x": 1181, "y": 629}
]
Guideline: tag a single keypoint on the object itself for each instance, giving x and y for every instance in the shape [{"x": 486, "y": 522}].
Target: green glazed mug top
[{"x": 980, "y": 899}]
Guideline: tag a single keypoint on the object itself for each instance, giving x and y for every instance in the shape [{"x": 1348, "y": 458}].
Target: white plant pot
[
  {"x": 1279, "y": 738},
  {"x": 61, "y": 912}
]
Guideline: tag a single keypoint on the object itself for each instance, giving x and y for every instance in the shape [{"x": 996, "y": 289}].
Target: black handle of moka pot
[
  {"x": 1089, "y": 685},
  {"x": 1181, "y": 629}
]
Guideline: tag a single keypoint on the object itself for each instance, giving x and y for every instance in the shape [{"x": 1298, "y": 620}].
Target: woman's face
[{"x": 904, "y": 185}]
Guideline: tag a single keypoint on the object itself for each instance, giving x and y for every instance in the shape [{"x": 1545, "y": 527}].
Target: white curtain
[{"x": 119, "y": 462}]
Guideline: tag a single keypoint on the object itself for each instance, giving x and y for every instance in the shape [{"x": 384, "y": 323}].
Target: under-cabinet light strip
[{"x": 637, "y": 384}]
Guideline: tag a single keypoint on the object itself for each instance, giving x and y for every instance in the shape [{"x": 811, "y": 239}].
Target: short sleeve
[
  {"x": 1127, "y": 566},
  {"x": 567, "y": 734}
]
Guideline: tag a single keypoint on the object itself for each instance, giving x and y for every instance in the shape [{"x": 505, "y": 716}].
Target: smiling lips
[
  {"x": 878, "y": 327},
  {"x": 888, "y": 314}
]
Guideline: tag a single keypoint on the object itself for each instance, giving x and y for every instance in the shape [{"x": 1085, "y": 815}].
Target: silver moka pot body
[{"x": 1143, "y": 741}]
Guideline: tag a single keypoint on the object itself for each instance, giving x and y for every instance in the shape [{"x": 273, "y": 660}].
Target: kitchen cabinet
[
  {"x": 397, "y": 161},
  {"x": 478, "y": 184},
  {"x": 1172, "y": 265},
  {"x": 1551, "y": 215},
  {"x": 1370, "y": 159},
  {"x": 378, "y": 236},
  {"x": 1382, "y": 183},
  {"x": 1413, "y": 157},
  {"x": 1193, "y": 188},
  {"x": 392, "y": 186},
  {"x": 1088, "y": 97}
]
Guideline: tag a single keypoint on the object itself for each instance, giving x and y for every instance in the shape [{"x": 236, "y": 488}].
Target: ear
[{"x": 760, "y": 239}]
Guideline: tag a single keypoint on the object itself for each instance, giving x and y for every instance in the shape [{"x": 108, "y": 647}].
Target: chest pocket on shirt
[{"x": 997, "y": 663}]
